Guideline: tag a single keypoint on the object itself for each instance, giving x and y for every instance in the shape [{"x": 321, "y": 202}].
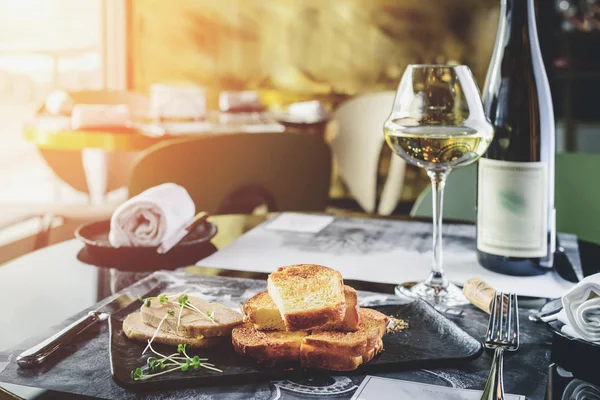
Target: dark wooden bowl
[{"x": 99, "y": 252}]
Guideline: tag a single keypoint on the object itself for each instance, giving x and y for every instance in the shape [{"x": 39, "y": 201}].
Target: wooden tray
[{"x": 431, "y": 341}]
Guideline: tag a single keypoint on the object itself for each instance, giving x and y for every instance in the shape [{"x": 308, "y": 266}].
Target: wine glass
[{"x": 437, "y": 123}]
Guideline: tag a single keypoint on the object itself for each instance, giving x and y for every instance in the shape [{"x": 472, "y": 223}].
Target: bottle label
[{"x": 512, "y": 208}]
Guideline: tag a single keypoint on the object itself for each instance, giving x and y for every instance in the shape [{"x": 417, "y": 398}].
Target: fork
[{"x": 502, "y": 334}]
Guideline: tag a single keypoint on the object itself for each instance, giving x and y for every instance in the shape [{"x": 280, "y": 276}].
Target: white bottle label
[{"x": 512, "y": 210}]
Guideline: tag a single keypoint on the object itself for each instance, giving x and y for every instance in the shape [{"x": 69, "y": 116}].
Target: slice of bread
[
  {"x": 193, "y": 323},
  {"x": 268, "y": 348},
  {"x": 308, "y": 296},
  {"x": 261, "y": 311},
  {"x": 315, "y": 357},
  {"x": 351, "y": 319},
  {"x": 372, "y": 327},
  {"x": 331, "y": 350},
  {"x": 134, "y": 328}
]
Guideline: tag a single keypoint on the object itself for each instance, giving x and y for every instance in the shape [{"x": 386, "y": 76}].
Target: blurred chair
[
  {"x": 357, "y": 150},
  {"x": 235, "y": 173},
  {"x": 577, "y": 196}
]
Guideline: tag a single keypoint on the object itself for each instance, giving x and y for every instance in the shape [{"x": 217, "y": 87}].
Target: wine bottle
[{"x": 515, "y": 186}]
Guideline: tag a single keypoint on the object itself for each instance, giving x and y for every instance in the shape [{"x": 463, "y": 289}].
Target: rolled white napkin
[
  {"x": 99, "y": 115},
  {"x": 246, "y": 100},
  {"x": 146, "y": 219},
  {"x": 581, "y": 310},
  {"x": 177, "y": 101},
  {"x": 59, "y": 103},
  {"x": 307, "y": 111}
]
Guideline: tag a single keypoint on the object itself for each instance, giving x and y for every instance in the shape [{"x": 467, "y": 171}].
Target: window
[{"x": 44, "y": 45}]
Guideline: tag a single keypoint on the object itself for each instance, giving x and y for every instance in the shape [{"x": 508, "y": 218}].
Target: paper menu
[
  {"x": 376, "y": 388},
  {"x": 372, "y": 250},
  {"x": 300, "y": 223}
]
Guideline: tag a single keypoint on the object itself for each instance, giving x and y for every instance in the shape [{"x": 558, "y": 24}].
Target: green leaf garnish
[
  {"x": 137, "y": 374},
  {"x": 174, "y": 362},
  {"x": 146, "y": 301},
  {"x": 211, "y": 315},
  {"x": 185, "y": 366},
  {"x": 183, "y": 299},
  {"x": 154, "y": 364},
  {"x": 196, "y": 363},
  {"x": 171, "y": 313},
  {"x": 163, "y": 299}
]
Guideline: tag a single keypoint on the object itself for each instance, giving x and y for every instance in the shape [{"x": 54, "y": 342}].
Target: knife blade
[
  {"x": 170, "y": 242},
  {"x": 39, "y": 353}
]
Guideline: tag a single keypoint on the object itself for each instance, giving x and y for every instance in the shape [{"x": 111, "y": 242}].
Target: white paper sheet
[
  {"x": 300, "y": 223},
  {"x": 376, "y": 250},
  {"x": 376, "y": 388}
]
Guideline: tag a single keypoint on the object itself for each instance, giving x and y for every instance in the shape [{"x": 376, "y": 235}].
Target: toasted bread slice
[
  {"x": 136, "y": 329},
  {"x": 193, "y": 323},
  {"x": 268, "y": 348},
  {"x": 372, "y": 327},
  {"x": 351, "y": 319},
  {"x": 332, "y": 350},
  {"x": 308, "y": 296},
  {"x": 315, "y": 357},
  {"x": 261, "y": 311}
]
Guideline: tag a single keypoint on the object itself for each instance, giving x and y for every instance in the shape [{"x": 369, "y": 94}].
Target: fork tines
[{"x": 503, "y": 328}]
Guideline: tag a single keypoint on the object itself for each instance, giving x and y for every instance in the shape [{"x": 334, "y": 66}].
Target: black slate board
[
  {"x": 85, "y": 370},
  {"x": 431, "y": 341}
]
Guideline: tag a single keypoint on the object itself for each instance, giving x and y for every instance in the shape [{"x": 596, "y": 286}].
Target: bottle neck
[{"x": 517, "y": 17}]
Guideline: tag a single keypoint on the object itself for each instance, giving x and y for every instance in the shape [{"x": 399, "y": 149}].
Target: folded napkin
[
  {"x": 307, "y": 111},
  {"x": 581, "y": 310},
  {"x": 146, "y": 219},
  {"x": 99, "y": 115}
]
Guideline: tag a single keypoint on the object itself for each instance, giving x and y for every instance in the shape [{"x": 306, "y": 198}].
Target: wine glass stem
[{"x": 436, "y": 279}]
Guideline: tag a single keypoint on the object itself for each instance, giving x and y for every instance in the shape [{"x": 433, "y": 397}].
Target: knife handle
[{"x": 36, "y": 355}]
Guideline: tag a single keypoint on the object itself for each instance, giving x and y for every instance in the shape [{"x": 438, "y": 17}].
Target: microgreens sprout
[
  {"x": 163, "y": 299},
  {"x": 137, "y": 374},
  {"x": 146, "y": 301},
  {"x": 183, "y": 299},
  {"x": 185, "y": 366},
  {"x": 184, "y": 302},
  {"x": 169, "y": 313},
  {"x": 158, "y": 366}
]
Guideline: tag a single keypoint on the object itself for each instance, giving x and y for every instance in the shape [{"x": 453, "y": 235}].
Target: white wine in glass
[{"x": 437, "y": 123}]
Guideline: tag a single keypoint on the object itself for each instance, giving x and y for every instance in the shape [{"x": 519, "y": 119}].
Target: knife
[
  {"x": 170, "y": 242},
  {"x": 39, "y": 353}
]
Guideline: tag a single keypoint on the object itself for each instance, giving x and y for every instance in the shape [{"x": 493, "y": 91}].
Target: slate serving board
[
  {"x": 84, "y": 368},
  {"x": 431, "y": 341}
]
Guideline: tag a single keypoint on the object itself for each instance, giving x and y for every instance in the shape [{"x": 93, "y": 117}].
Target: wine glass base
[{"x": 450, "y": 296}]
